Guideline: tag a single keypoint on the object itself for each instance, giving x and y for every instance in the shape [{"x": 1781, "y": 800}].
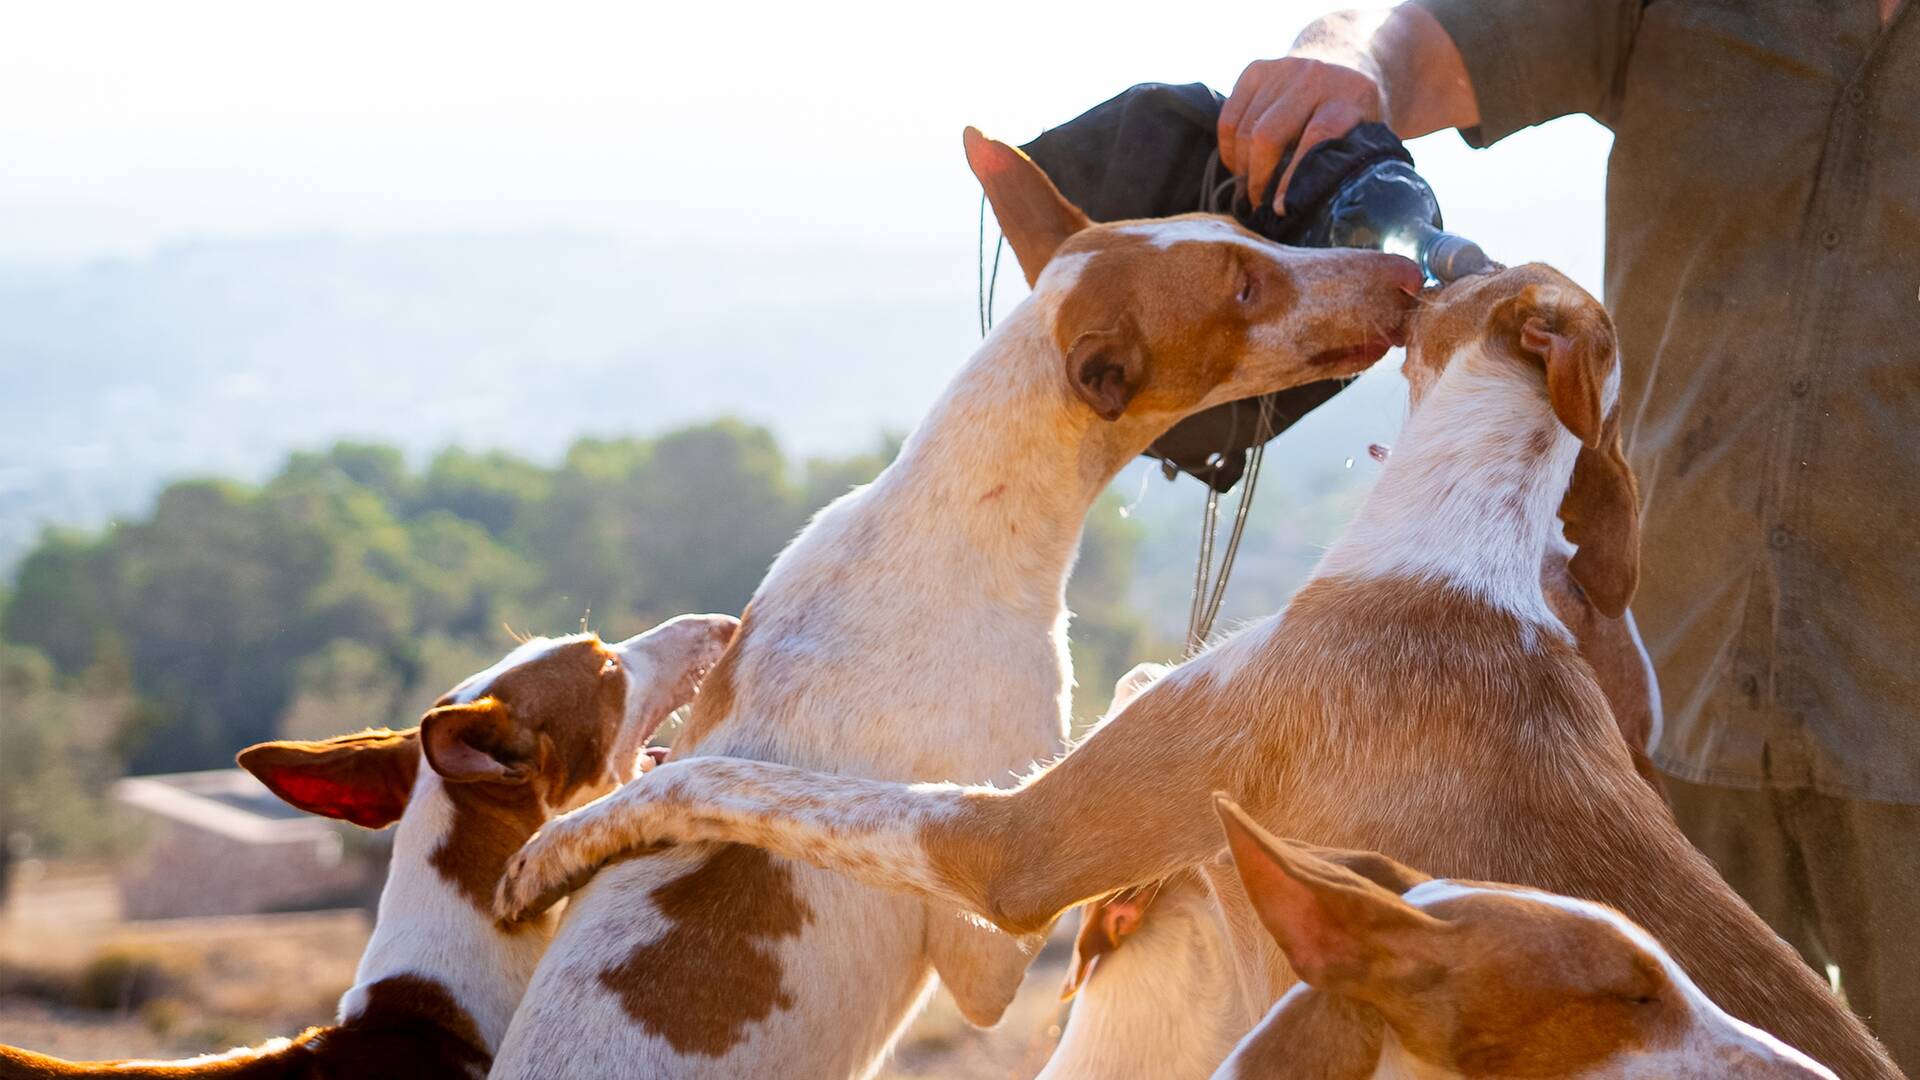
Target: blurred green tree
[{"x": 349, "y": 590}]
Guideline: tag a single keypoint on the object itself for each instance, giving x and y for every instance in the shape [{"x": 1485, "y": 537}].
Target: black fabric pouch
[{"x": 1152, "y": 151}]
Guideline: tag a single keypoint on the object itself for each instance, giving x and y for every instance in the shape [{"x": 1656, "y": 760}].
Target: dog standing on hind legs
[
  {"x": 1417, "y": 697},
  {"x": 916, "y": 629},
  {"x": 1154, "y": 994}
]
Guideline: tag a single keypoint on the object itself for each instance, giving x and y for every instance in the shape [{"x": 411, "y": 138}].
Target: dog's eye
[
  {"x": 1248, "y": 289},
  {"x": 612, "y": 664}
]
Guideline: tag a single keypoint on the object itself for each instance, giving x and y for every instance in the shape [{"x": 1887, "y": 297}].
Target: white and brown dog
[
  {"x": 1464, "y": 979},
  {"x": 916, "y": 630},
  {"x": 1417, "y": 697},
  {"x": 1154, "y": 993},
  {"x": 557, "y": 721}
]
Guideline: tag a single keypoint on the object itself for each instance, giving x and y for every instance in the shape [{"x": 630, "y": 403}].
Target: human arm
[{"x": 1485, "y": 67}]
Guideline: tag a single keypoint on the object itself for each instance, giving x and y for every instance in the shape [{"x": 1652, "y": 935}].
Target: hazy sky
[{"x": 131, "y": 125}]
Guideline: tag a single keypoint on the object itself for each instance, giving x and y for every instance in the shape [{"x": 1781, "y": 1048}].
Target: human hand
[{"x": 1294, "y": 102}]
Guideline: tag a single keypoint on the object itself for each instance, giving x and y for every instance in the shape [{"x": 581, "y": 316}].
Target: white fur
[
  {"x": 1198, "y": 230},
  {"x": 426, "y": 928},
  {"x": 1460, "y": 502},
  {"x": 1162, "y": 1006},
  {"x": 915, "y": 629}
]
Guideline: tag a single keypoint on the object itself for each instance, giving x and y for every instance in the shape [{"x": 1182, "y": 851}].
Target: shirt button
[
  {"x": 1749, "y": 685},
  {"x": 1830, "y": 238},
  {"x": 1779, "y": 539},
  {"x": 1799, "y": 385},
  {"x": 1856, "y": 95}
]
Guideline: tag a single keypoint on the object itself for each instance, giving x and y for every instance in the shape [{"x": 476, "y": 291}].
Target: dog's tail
[{"x": 273, "y": 1059}]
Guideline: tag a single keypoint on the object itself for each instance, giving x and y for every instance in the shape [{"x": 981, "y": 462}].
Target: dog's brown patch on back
[{"x": 715, "y": 971}]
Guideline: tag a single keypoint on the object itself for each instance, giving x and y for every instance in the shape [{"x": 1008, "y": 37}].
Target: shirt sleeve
[{"x": 1533, "y": 60}]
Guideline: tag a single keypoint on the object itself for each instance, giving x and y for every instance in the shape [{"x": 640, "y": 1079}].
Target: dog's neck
[
  {"x": 427, "y": 928},
  {"x": 1471, "y": 493},
  {"x": 998, "y": 478}
]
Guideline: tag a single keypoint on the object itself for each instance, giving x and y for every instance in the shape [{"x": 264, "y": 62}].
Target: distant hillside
[{"x": 217, "y": 358}]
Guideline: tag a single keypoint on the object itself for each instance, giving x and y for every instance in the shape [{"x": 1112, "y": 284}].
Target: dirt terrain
[{"x": 77, "y": 981}]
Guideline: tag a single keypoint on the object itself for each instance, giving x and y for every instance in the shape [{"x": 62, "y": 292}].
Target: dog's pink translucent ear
[
  {"x": 364, "y": 778},
  {"x": 1104, "y": 924},
  {"x": 1341, "y": 932},
  {"x": 1035, "y": 216},
  {"x": 474, "y": 742}
]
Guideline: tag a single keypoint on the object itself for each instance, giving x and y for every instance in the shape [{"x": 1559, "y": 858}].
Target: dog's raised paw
[{"x": 529, "y": 887}]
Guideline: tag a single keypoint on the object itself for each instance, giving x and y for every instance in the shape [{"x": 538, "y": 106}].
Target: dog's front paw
[{"x": 537, "y": 877}]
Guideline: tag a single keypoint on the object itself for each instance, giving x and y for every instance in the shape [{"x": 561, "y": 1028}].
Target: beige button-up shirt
[{"x": 1763, "y": 266}]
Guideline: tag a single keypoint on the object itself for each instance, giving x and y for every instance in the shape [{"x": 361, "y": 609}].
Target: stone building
[{"x": 220, "y": 843}]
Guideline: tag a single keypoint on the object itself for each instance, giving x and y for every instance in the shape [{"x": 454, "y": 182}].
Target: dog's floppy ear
[
  {"x": 473, "y": 742},
  {"x": 1106, "y": 364},
  {"x": 1035, "y": 216},
  {"x": 1341, "y": 932},
  {"x": 363, "y": 778},
  {"x": 1601, "y": 519},
  {"x": 1573, "y": 341}
]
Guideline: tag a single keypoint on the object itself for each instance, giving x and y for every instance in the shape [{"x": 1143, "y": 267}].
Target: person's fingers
[
  {"x": 1332, "y": 120},
  {"x": 1270, "y": 135},
  {"x": 1238, "y": 144},
  {"x": 1228, "y": 125},
  {"x": 1250, "y": 84}
]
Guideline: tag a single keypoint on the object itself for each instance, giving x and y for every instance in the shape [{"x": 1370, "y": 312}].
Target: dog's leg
[{"x": 1130, "y": 804}]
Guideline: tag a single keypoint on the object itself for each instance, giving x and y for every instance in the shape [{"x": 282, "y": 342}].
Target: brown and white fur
[
  {"x": 1154, "y": 994},
  {"x": 1462, "y": 979},
  {"x": 916, "y": 630},
  {"x": 555, "y": 722},
  {"x": 1417, "y": 697},
  {"x": 1152, "y": 982}
]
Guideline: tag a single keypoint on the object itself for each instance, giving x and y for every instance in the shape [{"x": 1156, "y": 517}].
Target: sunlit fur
[
  {"x": 916, "y": 630},
  {"x": 424, "y": 926},
  {"x": 1690, "y": 1039},
  {"x": 1162, "y": 1006},
  {"x": 1424, "y": 705}
]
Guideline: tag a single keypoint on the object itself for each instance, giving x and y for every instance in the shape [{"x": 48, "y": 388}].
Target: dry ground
[{"x": 77, "y": 981}]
